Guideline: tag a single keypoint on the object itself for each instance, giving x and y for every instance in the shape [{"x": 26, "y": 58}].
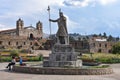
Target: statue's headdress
[{"x": 60, "y": 13}]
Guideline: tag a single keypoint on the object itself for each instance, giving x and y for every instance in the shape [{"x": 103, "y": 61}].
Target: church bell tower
[
  {"x": 19, "y": 26},
  {"x": 39, "y": 26}
]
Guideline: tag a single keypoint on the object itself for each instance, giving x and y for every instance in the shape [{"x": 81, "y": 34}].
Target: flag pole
[{"x": 49, "y": 18}]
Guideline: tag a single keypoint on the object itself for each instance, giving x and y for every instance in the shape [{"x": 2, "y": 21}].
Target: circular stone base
[{"x": 62, "y": 71}]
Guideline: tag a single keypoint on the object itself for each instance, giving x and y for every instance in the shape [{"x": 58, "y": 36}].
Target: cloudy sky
[{"x": 83, "y": 16}]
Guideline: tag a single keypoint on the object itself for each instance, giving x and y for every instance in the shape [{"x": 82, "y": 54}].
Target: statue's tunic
[{"x": 62, "y": 30}]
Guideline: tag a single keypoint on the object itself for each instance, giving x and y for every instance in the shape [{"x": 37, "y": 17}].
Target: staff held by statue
[{"x": 49, "y": 18}]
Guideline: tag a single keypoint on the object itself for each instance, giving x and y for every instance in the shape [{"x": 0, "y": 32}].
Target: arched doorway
[
  {"x": 31, "y": 36},
  {"x": 99, "y": 50},
  {"x": 109, "y": 51}
]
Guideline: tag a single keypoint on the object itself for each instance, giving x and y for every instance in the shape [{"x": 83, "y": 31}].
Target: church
[{"x": 21, "y": 37}]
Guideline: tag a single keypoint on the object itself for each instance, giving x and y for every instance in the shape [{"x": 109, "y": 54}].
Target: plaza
[
  {"x": 67, "y": 59},
  {"x": 9, "y": 75}
]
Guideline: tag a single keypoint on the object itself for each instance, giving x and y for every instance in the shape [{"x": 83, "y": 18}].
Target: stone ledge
[{"x": 62, "y": 71}]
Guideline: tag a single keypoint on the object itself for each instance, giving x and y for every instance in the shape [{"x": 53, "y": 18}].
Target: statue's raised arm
[{"x": 53, "y": 20}]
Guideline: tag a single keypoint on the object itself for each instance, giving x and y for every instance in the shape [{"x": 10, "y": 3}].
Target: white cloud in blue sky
[
  {"x": 84, "y": 3},
  {"x": 83, "y": 16}
]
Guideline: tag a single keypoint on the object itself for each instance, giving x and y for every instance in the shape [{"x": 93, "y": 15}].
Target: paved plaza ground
[{"x": 9, "y": 75}]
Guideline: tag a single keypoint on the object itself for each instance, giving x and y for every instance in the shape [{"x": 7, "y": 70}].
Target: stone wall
[
  {"x": 101, "y": 47},
  {"x": 16, "y": 43},
  {"x": 27, "y": 32},
  {"x": 21, "y": 37},
  {"x": 62, "y": 71}
]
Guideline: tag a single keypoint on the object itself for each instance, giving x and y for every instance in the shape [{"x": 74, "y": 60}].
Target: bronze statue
[{"x": 62, "y": 33}]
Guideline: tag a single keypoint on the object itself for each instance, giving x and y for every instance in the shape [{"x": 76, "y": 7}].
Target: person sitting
[
  {"x": 21, "y": 61},
  {"x": 13, "y": 61}
]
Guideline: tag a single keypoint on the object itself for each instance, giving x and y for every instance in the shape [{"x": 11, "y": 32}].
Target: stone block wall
[{"x": 62, "y": 71}]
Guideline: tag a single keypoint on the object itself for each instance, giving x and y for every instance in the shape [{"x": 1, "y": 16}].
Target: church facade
[{"x": 21, "y": 37}]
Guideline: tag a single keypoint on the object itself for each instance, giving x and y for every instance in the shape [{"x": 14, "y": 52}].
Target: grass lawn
[{"x": 103, "y": 57}]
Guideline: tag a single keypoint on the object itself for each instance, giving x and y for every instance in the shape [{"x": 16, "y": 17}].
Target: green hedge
[
  {"x": 8, "y": 59},
  {"x": 39, "y": 58},
  {"x": 108, "y": 60},
  {"x": 103, "y": 57},
  {"x": 5, "y": 59}
]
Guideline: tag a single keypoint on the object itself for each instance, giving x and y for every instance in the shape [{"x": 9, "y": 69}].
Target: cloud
[
  {"x": 105, "y": 2},
  {"x": 4, "y": 27},
  {"x": 84, "y": 3},
  {"x": 81, "y": 3},
  {"x": 113, "y": 25},
  {"x": 26, "y": 7},
  {"x": 71, "y": 25},
  {"x": 29, "y": 10}
]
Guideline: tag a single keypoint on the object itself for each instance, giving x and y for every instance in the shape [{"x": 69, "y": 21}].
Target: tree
[
  {"x": 116, "y": 48},
  {"x": 104, "y": 35},
  {"x": 79, "y": 38},
  {"x": 117, "y": 39},
  {"x": 14, "y": 53},
  {"x": 100, "y": 34},
  {"x": 95, "y": 35},
  {"x": 71, "y": 38},
  {"x": 84, "y": 39},
  {"x": 110, "y": 38}
]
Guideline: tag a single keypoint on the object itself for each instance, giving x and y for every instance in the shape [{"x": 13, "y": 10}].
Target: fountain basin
[{"x": 62, "y": 71}]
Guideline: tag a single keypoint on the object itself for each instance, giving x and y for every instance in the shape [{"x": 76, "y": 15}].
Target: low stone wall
[{"x": 62, "y": 71}]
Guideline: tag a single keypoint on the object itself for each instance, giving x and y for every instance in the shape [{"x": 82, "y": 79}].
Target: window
[
  {"x": 16, "y": 43},
  {"x": 99, "y": 51},
  {"x": 0, "y": 42},
  {"x": 57, "y": 57},
  {"x": 100, "y": 45},
  {"x": 105, "y": 45},
  {"x": 30, "y": 43},
  {"x": 69, "y": 58},
  {"x": 93, "y": 44},
  {"x": 24, "y": 43},
  {"x": 9, "y": 43}
]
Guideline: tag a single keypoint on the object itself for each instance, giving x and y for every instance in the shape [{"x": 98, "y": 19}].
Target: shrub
[
  {"x": 24, "y": 51},
  {"x": 14, "y": 53},
  {"x": 40, "y": 57},
  {"x": 103, "y": 57},
  {"x": 5, "y": 59},
  {"x": 116, "y": 48},
  {"x": 33, "y": 59}
]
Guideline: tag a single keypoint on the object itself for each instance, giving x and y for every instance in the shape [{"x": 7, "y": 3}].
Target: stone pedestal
[{"x": 62, "y": 56}]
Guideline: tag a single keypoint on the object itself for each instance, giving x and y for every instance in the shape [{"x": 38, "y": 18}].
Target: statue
[
  {"x": 62, "y": 33},
  {"x": 62, "y": 54}
]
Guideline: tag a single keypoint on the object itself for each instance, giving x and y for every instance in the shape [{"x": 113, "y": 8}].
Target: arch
[
  {"x": 99, "y": 50},
  {"x": 31, "y": 36},
  {"x": 110, "y": 51}
]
